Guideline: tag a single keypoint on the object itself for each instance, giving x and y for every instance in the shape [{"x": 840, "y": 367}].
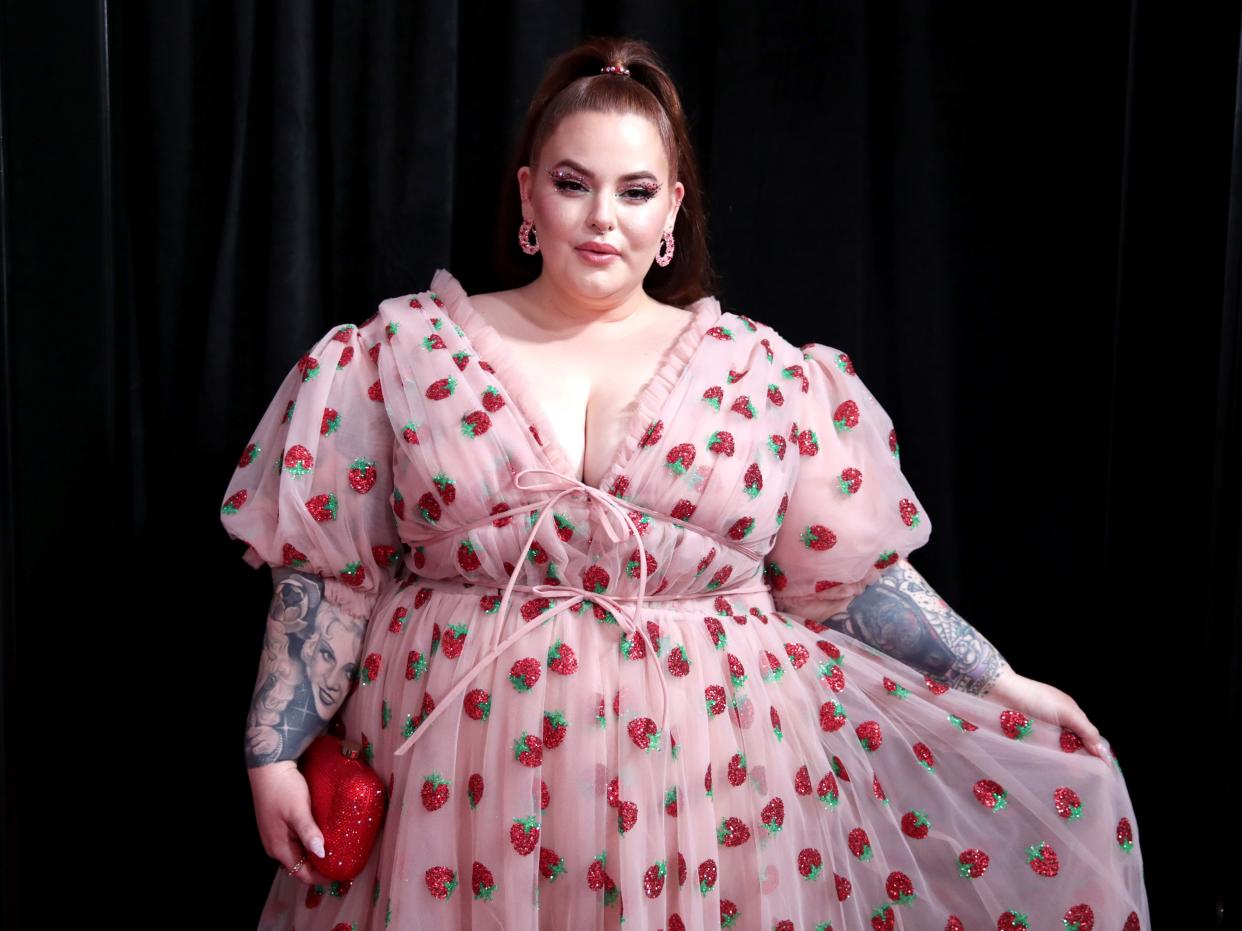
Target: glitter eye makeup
[{"x": 568, "y": 181}]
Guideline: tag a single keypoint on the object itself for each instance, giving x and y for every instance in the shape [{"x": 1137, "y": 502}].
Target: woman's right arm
[{"x": 310, "y": 653}]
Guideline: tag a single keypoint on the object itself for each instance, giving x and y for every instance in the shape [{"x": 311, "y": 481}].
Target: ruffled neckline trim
[{"x": 646, "y": 408}]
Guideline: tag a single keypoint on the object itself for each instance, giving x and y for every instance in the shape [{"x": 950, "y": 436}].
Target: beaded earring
[
  {"x": 666, "y": 255},
  {"x": 524, "y": 231}
]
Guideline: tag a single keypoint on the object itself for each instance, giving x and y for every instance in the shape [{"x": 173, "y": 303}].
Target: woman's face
[{"x": 601, "y": 178}]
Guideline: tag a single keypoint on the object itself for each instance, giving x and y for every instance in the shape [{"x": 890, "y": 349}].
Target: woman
[{"x": 642, "y": 639}]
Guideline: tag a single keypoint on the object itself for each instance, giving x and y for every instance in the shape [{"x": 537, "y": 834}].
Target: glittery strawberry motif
[
  {"x": 528, "y": 750},
  {"x": 972, "y": 863},
  {"x": 893, "y": 689},
  {"x": 555, "y": 727},
  {"x": 742, "y": 711},
  {"x": 870, "y": 735},
  {"x": 435, "y": 791},
  {"x": 524, "y": 673},
  {"x": 653, "y": 879},
  {"x": 1014, "y": 724},
  {"x": 827, "y": 791},
  {"x": 810, "y": 863},
  {"x": 990, "y": 794},
  {"x": 1125, "y": 835},
  {"x": 860, "y": 844},
  {"x": 899, "y": 887},
  {"x": 707, "y": 876},
  {"x": 482, "y": 883},
  {"x": 1132, "y": 923},
  {"x": 773, "y": 814},
  {"x": 923, "y": 754},
  {"x": 474, "y": 789},
  {"x": 883, "y": 919},
  {"x": 1013, "y": 921},
  {"x": 1042, "y": 859},
  {"x": 562, "y": 659},
  {"x": 1079, "y": 918},
  {"x": 729, "y": 914},
  {"x": 954, "y": 924},
  {"x": 933, "y": 686},
  {"x": 832, "y": 716},
  {"x": 644, "y": 733},
  {"x": 1067, "y": 803},
  {"x": 678, "y": 661},
  {"x": 716, "y": 631},
  {"x": 441, "y": 881},
  {"x": 736, "y": 769},
  {"x": 1070, "y": 741},
  {"x": 524, "y": 834},
  {"x": 962, "y": 724},
  {"x": 915, "y": 824},
  {"x": 551, "y": 865},
  {"x": 714, "y": 699}
]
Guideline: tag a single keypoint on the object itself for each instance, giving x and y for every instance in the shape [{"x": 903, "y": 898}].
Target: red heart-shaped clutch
[{"x": 348, "y": 801}]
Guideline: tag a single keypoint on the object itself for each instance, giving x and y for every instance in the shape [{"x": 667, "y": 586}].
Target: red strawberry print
[
  {"x": 736, "y": 769},
  {"x": 524, "y": 673},
  {"x": 728, "y": 913},
  {"x": 827, "y": 791},
  {"x": 715, "y": 700},
  {"x": 972, "y": 863},
  {"x": 562, "y": 659},
  {"x": 899, "y": 888},
  {"x": 1067, "y": 803},
  {"x": 883, "y": 919},
  {"x": 453, "y": 640},
  {"x": 477, "y": 704},
  {"x": 435, "y": 791},
  {"x": 860, "y": 844},
  {"x": 524, "y": 834},
  {"x": 1014, "y": 724},
  {"x": 550, "y": 864},
  {"x": 678, "y": 662},
  {"x": 653, "y": 879},
  {"x": 1013, "y": 921},
  {"x": 773, "y": 815},
  {"x": 1079, "y": 918},
  {"x": 870, "y": 735},
  {"x": 832, "y": 715},
  {"x": 1042, "y": 859},
  {"x": 441, "y": 881},
  {"x": 482, "y": 883},
  {"x": 732, "y": 832},
  {"x": 923, "y": 754},
  {"x": 528, "y": 750},
  {"x": 810, "y": 863},
  {"x": 1125, "y": 835},
  {"x": 644, "y": 733},
  {"x": 915, "y": 824},
  {"x": 844, "y": 887},
  {"x": 474, "y": 789},
  {"x": 707, "y": 876},
  {"x": 990, "y": 794},
  {"x": 555, "y": 726},
  {"x": 627, "y": 815}
]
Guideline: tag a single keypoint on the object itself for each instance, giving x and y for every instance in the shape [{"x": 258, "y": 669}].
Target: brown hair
[{"x": 574, "y": 83}]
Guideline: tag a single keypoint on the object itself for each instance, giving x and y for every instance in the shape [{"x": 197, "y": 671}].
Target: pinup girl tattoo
[
  {"x": 899, "y": 614},
  {"x": 310, "y": 654}
]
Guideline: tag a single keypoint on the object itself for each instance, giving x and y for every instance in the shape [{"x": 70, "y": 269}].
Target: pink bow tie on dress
[{"x": 569, "y": 485}]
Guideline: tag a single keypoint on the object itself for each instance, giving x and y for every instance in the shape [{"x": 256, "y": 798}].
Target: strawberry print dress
[{"x": 597, "y": 706}]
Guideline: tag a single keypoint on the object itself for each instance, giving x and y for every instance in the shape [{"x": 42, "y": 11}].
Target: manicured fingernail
[
  {"x": 317, "y": 846},
  {"x": 1100, "y": 748}
]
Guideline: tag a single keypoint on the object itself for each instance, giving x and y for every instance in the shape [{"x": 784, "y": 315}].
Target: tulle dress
[{"x": 597, "y": 706}]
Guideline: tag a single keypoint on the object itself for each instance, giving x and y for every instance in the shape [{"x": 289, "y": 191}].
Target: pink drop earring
[
  {"x": 524, "y": 232},
  {"x": 666, "y": 256}
]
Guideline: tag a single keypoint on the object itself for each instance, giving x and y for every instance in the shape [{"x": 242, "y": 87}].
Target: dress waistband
[{"x": 576, "y": 595}]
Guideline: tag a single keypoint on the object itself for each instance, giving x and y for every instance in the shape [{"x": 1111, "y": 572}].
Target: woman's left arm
[{"x": 901, "y": 615}]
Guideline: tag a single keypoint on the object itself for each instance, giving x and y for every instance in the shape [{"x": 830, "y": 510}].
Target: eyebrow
[{"x": 633, "y": 175}]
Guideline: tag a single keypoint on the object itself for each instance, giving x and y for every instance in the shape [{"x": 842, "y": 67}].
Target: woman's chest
[{"x": 588, "y": 392}]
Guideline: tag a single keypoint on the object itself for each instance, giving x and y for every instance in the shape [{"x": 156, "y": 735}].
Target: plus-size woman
[{"x": 613, "y": 587}]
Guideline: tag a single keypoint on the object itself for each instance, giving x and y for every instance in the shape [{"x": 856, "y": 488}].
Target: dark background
[{"x": 1021, "y": 221}]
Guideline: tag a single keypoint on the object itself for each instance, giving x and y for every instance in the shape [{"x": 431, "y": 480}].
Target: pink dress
[{"x": 596, "y": 705}]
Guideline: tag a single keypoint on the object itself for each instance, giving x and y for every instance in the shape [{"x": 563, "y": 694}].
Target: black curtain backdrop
[{"x": 1024, "y": 223}]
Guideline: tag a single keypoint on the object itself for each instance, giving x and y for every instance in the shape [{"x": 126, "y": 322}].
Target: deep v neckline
[{"x": 647, "y": 406}]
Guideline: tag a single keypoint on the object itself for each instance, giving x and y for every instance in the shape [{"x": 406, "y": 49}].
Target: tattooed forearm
[
  {"x": 310, "y": 652},
  {"x": 900, "y": 614}
]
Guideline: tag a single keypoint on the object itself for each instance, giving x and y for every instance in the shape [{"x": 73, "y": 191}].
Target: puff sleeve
[
  {"x": 312, "y": 490},
  {"x": 850, "y": 513}
]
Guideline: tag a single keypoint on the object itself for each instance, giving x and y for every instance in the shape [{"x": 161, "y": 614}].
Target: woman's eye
[{"x": 565, "y": 184}]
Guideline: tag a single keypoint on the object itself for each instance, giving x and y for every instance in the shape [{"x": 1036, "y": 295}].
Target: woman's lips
[{"x": 596, "y": 258}]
